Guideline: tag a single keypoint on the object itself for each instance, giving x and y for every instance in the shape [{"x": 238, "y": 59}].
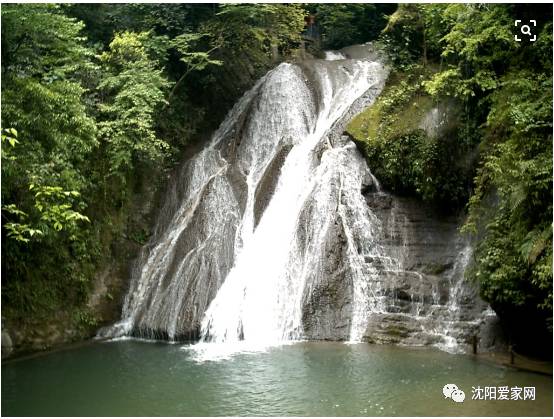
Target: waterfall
[
  {"x": 267, "y": 234},
  {"x": 261, "y": 298}
]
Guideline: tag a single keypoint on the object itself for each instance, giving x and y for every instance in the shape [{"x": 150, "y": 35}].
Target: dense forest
[{"x": 100, "y": 104}]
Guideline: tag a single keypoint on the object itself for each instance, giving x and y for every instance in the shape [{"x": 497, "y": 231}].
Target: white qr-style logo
[
  {"x": 451, "y": 391},
  {"x": 525, "y": 30}
]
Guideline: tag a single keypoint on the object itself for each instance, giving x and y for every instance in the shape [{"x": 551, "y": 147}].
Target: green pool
[{"x": 309, "y": 379}]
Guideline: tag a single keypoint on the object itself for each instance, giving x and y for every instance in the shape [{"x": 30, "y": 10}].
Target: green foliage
[
  {"x": 52, "y": 211},
  {"x": 85, "y": 319},
  {"x": 506, "y": 91},
  {"x": 479, "y": 40},
  {"x": 71, "y": 116},
  {"x": 19, "y": 231},
  {"x": 195, "y": 60},
  {"x": 47, "y": 58},
  {"x": 33, "y": 108},
  {"x": 515, "y": 255},
  {"x": 258, "y": 27},
  {"x": 402, "y": 155},
  {"x": 39, "y": 40},
  {"x": 347, "y": 24},
  {"x": 135, "y": 89},
  {"x": 249, "y": 40},
  {"x": 9, "y": 136},
  {"x": 100, "y": 99},
  {"x": 402, "y": 37}
]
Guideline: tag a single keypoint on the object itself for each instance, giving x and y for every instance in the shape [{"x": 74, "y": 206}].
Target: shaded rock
[
  {"x": 326, "y": 311},
  {"x": 269, "y": 180},
  {"x": 428, "y": 301},
  {"x": 7, "y": 344}
]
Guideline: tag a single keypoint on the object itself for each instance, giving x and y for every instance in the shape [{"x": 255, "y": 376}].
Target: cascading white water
[
  {"x": 260, "y": 299},
  {"x": 266, "y": 235},
  {"x": 228, "y": 243},
  {"x": 334, "y": 55}
]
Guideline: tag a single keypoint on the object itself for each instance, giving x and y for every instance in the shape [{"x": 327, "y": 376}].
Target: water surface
[{"x": 312, "y": 379}]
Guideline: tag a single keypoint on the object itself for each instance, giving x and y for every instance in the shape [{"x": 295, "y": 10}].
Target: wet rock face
[
  {"x": 7, "y": 345},
  {"x": 267, "y": 214},
  {"x": 416, "y": 286},
  {"x": 326, "y": 312},
  {"x": 427, "y": 299},
  {"x": 277, "y": 230}
]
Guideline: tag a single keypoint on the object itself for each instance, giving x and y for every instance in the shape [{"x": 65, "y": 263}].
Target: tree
[
  {"x": 40, "y": 79},
  {"x": 258, "y": 27},
  {"x": 478, "y": 43},
  {"x": 347, "y": 24},
  {"x": 133, "y": 88}
]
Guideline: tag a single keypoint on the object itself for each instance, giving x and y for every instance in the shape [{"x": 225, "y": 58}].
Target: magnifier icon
[{"x": 526, "y": 30}]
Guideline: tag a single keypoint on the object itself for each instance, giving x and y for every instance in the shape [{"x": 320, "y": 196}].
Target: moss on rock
[{"x": 413, "y": 143}]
